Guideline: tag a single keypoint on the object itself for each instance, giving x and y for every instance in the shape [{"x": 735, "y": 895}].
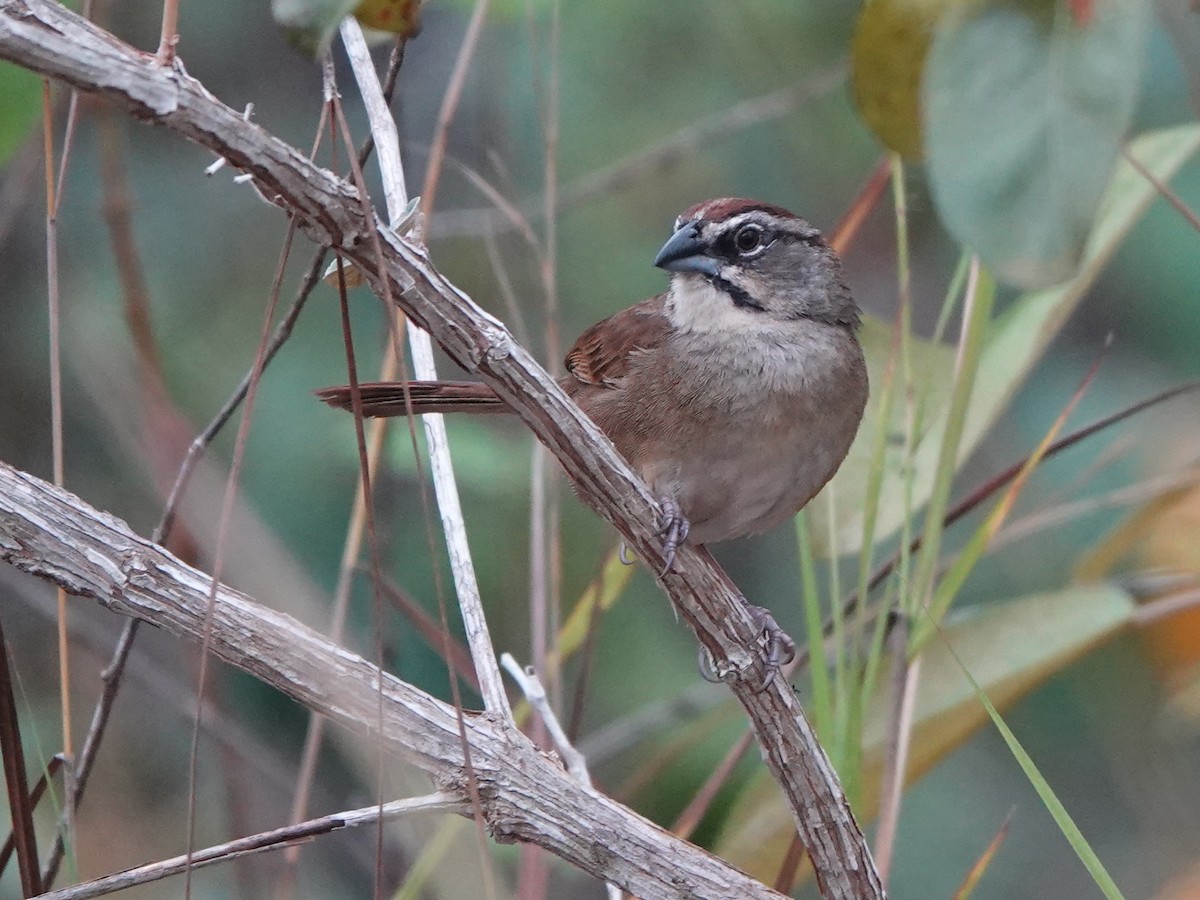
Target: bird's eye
[{"x": 748, "y": 238}]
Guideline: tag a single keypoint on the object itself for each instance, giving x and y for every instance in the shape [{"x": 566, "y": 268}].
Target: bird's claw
[
  {"x": 777, "y": 650},
  {"x": 707, "y": 666},
  {"x": 673, "y": 529}
]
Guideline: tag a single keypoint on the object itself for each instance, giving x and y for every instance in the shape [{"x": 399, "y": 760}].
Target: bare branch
[{"x": 51, "y": 533}]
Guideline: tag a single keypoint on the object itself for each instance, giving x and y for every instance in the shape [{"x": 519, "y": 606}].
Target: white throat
[{"x": 695, "y": 305}]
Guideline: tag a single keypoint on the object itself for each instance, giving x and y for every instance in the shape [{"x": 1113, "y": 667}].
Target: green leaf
[
  {"x": 1025, "y": 108},
  {"x": 1015, "y": 341},
  {"x": 22, "y": 93}
]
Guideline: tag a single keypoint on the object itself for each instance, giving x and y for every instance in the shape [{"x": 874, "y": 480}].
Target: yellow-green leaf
[{"x": 887, "y": 60}]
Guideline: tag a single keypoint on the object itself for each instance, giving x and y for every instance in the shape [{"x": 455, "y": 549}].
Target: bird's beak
[{"x": 685, "y": 252}]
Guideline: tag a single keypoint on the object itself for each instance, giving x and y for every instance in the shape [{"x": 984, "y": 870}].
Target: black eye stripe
[{"x": 739, "y": 297}]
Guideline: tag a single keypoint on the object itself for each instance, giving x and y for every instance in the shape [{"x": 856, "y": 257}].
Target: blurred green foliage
[{"x": 22, "y": 93}]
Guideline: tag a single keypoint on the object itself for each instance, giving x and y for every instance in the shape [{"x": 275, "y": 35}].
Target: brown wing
[
  {"x": 387, "y": 398},
  {"x": 601, "y": 355}
]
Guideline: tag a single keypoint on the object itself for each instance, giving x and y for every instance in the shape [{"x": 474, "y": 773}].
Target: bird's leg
[{"x": 673, "y": 529}]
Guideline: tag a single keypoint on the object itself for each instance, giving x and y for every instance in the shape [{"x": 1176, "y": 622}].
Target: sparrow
[{"x": 735, "y": 394}]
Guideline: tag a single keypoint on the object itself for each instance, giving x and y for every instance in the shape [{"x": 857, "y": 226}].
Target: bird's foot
[
  {"x": 777, "y": 649},
  {"x": 673, "y": 529}
]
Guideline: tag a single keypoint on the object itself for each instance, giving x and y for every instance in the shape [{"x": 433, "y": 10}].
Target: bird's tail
[{"x": 387, "y": 398}]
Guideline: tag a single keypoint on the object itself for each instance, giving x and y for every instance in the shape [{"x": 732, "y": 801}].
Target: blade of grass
[
  {"x": 35, "y": 797},
  {"x": 971, "y": 881},
  {"x": 820, "y": 703},
  {"x": 949, "y": 585},
  {"x": 981, "y": 290},
  {"x": 19, "y": 801},
  {"x": 843, "y": 740},
  {"x": 1049, "y": 799},
  {"x": 601, "y": 594}
]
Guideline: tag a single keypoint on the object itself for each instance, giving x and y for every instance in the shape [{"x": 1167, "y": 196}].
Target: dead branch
[{"x": 526, "y": 794}]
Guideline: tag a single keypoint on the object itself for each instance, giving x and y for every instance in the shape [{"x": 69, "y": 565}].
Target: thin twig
[
  {"x": 275, "y": 839},
  {"x": 531, "y": 686},
  {"x": 545, "y": 545},
  {"x": 1167, "y": 194},
  {"x": 53, "y": 189},
  {"x": 449, "y": 105},
  {"x": 170, "y": 33},
  {"x": 223, "y": 523}
]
